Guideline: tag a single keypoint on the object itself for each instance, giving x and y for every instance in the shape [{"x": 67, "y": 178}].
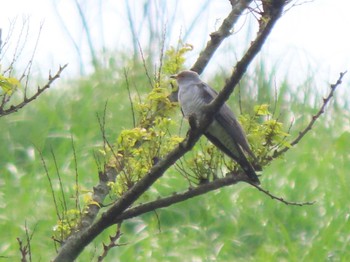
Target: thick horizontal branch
[
  {"x": 197, "y": 191},
  {"x": 179, "y": 197}
]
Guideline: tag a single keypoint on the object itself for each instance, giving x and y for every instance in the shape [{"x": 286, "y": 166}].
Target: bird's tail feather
[
  {"x": 249, "y": 170},
  {"x": 238, "y": 156}
]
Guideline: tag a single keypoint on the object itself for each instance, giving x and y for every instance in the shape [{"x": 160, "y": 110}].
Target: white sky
[{"x": 311, "y": 38}]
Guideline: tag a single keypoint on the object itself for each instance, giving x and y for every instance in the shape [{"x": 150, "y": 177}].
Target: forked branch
[{"x": 26, "y": 100}]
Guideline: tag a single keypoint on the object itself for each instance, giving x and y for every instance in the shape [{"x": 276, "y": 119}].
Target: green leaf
[
  {"x": 8, "y": 84},
  {"x": 262, "y": 110}
]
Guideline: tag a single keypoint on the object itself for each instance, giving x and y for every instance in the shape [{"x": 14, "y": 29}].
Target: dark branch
[
  {"x": 266, "y": 26},
  {"x": 26, "y": 101},
  {"x": 314, "y": 117},
  {"x": 179, "y": 197},
  {"x": 218, "y": 36},
  {"x": 282, "y": 199},
  {"x": 112, "y": 244},
  {"x": 194, "y": 192}
]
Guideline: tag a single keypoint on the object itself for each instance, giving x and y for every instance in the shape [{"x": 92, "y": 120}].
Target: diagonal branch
[
  {"x": 218, "y": 36},
  {"x": 266, "y": 24}
]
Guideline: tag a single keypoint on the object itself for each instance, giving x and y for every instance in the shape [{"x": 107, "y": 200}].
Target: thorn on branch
[
  {"x": 215, "y": 36},
  {"x": 112, "y": 243}
]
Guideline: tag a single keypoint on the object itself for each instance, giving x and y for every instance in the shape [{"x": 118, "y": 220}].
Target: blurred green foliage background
[{"x": 237, "y": 223}]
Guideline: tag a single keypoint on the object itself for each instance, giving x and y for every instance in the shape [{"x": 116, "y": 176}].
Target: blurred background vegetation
[{"x": 232, "y": 224}]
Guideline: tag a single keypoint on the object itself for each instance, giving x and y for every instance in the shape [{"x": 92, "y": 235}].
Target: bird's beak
[{"x": 173, "y": 76}]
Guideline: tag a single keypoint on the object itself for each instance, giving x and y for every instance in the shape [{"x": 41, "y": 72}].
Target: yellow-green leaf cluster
[
  {"x": 205, "y": 162},
  {"x": 175, "y": 58},
  {"x": 264, "y": 133},
  {"x": 139, "y": 148},
  {"x": 156, "y": 104},
  {"x": 8, "y": 84},
  {"x": 67, "y": 225},
  {"x": 70, "y": 220},
  {"x": 261, "y": 110}
]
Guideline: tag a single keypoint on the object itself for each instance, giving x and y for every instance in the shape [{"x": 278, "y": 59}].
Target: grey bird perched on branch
[{"x": 225, "y": 132}]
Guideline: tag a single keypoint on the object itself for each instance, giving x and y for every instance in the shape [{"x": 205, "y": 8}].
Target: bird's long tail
[
  {"x": 236, "y": 153},
  {"x": 249, "y": 170}
]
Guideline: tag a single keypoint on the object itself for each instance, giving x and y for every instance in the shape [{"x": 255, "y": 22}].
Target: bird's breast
[{"x": 191, "y": 101}]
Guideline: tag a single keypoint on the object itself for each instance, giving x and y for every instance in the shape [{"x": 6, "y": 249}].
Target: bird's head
[{"x": 185, "y": 77}]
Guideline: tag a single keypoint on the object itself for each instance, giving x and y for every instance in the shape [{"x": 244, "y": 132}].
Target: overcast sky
[{"x": 313, "y": 37}]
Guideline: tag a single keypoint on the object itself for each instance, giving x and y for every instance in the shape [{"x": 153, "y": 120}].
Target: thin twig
[
  {"x": 26, "y": 249},
  {"x": 129, "y": 95},
  {"x": 106, "y": 141},
  {"x": 6, "y": 43},
  {"x": 29, "y": 238},
  {"x": 50, "y": 182},
  {"x": 102, "y": 124},
  {"x": 59, "y": 180},
  {"x": 314, "y": 117},
  {"x": 161, "y": 57},
  {"x": 145, "y": 65},
  {"x": 19, "y": 49},
  {"x": 27, "y": 70},
  {"x": 23, "y": 250},
  {"x": 281, "y": 199},
  {"x": 15, "y": 108},
  {"x": 158, "y": 221},
  {"x": 77, "y": 190}
]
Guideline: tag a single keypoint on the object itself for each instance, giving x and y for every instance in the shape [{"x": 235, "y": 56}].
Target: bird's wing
[
  {"x": 208, "y": 93},
  {"x": 227, "y": 118}
]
